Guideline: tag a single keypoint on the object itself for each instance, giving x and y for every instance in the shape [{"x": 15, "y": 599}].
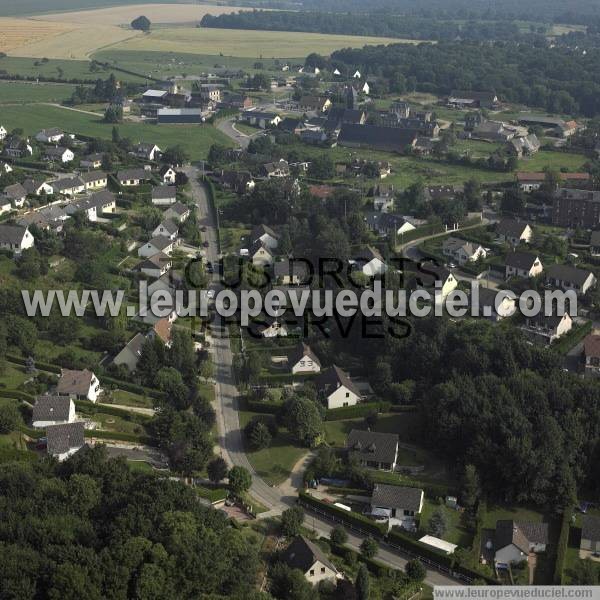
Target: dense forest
[
  {"x": 419, "y": 28},
  {"x": 556, "y": 79},
  {"x": 91, "y": 528}
]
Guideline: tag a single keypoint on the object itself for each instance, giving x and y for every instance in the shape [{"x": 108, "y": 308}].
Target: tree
[
  {"x": 113, "y": 114},
  {"x": 291, "y": 521},
  {"x": 303, "y": 420},
  {"x": 472, "y": 195},
  {"x": 369, "y": 547},
  {"x": 290, "y": 584},
  {"x": 585, "y": 572},
  {"x": 141, "y": 23},
  {"x": 470, "y": 488},
  {"x": 116, "y": 136},
  {"x": 9, "y": 418},
  {"x": 240, "y": 480},
  {"x": 415, "y": 570},
  {"x": 438, "y": 523},
  {"x": 362, "y": 583},
  {"x": 338, "y": 535},
  {"x": 169, "y": 381},
  {"x": 258, "y": 435},
  {"x": 217, "y": 469},
  {"x": 175, "y": 155}
]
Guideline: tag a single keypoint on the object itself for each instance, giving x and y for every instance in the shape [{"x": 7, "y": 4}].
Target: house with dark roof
[
  {"x": 65, "y": 440},
  {"x": 303, "y": 360},
  {"x": 276, "y": 169},
  {"x": 306, "y": 556},
  {"x": 514, "y": 232},
  {"x": 36, "y": 186},
  {"x": 147, "y": 151},
  {"x": 337, "y": 389},
  {"x": 130, "y": 354},
  {"x": 385, "y": 224},
  {"x": 261, "y": 254},
  {"x": 58, "y": 154},
  {"x": 264, "y": 234},
  {"x": 68, "y": 186},
  {"x": 522, "y": 264},
  {"x": 462, "y": 251},
  {"x": 373, "y": 449},
  {"x": 50, "y": 136},
  {"x": 514, "y": 541},
  {"x": 371, "y": 262},
  {"x": 80, "y": 385},
  {"x": 436, "y": 277},
  {"x": 290, "y": 272},
  {"x": 337, "y": 117},
  {"x": 167, "y": 229},
  {"x": 524, "y": 146},
  {"x": 177, "y": 212},
  {"x": 397, "y": 502},
  {"x": 595, "y": 243},
  {"x": 156, "y": 245},
  {"x": 374, "y": 137},
  {"x": 591, "y": 355},
  {"x": 132, "y": 177},
  {"x": 589, "y": 546},
  {"x": 492, "y": 306},
  {"x": 546, "y": 329},
  {"x": 94, "y": 179},
  {"x": 164, "y": 195},
  {"x": 317, "y": 104},
  {"x": 15, "y": 238},
  {"x": 155, "y": 266},
  {"x": 167, "y": 174},
  {"x": 264, "y": 120},
  {"x": 240, "y": 182},
  {"x": 568, "y": 277},
  {"x": 472, "y": 99},
  {"x": 52, "y": 410}
]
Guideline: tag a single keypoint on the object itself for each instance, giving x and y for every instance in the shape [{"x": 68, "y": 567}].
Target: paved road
[
  {"x": 227, "y": 127},
  {"x": 227, "y": 397}
]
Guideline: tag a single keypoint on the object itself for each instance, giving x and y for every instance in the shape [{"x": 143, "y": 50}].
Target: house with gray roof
[
  {"x": 373, "y": 449},
  {"x": 522, "y": 264},
  {"x": 167, "y": 229},
  {"x": 94, "y": 179},
  {"x": 462, "y": 251},
  {"x": 514, "y": 232},
  {"x": 337, "y": 388},
  {"x": 513, "y": 541},
  {"x": 65, "y": 440},
  {"x": 374, "y": 137},
  {"x": 303, "y": 360},
  {"x": 133, "y": 177},
  {"x": 306, "y": 556},
  {"x": 68, "y": 186},
  {"x": 80, "y": 385},
  {"x": 178, "y": 212},
  {"x": 15, "y": 238},
  {"x": 156, "y": 245},
  {"x": 16, "y": 193},
  {"x": 589, "y": 546},
  {"x": 52, "y": 410},
  {"x": 290, "y": 272},
  {"x": 397, "y": 502},
  {"x": 568, "y": 277},
  {"x": 130, "y": 354}
]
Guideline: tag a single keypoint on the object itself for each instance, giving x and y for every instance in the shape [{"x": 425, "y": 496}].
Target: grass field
[
  {"x": 31, "y": 92},
  {"x": 555, "y": 160},
  {"x": 456, "y": 533},
  {"x": 196, "y": 140},
  {"x": 256, "y": 44}
]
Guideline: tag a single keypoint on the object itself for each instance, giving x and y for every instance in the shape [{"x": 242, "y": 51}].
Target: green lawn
[
  {"x": 456, "y": 533},
  {"x": 555, "y": 160},
  {"x": 12, "y": 376},
  {"x": 275, "y": 463},
  {"x": 496, "y": 513},
  {"x": 113, "y": 423},
  {"x": 247, "y": 129},
  {"x": 140, "y": 466},
  {"x": 130, "y": 399},
  {"x": 196, "y": 140},
  {"x": 31, "y": 92}
]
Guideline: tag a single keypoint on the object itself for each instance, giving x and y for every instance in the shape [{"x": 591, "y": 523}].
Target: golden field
[{"x": 22, "y": 32}]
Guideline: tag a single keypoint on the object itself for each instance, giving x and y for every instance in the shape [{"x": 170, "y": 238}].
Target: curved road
[{"x": 226, "y": 399}]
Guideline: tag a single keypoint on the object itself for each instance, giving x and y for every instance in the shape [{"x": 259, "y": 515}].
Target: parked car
[{"x": 205, "y": 244}]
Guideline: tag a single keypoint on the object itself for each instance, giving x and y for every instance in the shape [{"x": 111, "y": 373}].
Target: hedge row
[
  {"x": 415, "y": 547},
  {"x": 377, "y": 568},
  {"x": 17, "y": 395},
  {"x": 363, "y": 523},
  {"x": 285, "y": 378},
  {"x": 358, "y": 410},
  {"x": 39, "y": 365},
  {"x": 267, "y": 408},
  {"x": 561, "y": 549}
]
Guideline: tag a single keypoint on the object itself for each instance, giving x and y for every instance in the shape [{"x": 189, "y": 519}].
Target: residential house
[
  {"x": 494, "y": 305},
  {"x": 169, "y": 282},
  {"x": 5, "y": 168},
  {"x": 372, "y": 264},
  {"x": 37, "y": 186},
  {"x": 260, "y": 254},
  {"x": 80, "y": 385},
  {"x": 272, "y": 327},
  {"x": 385, "y": 224},
  {"x": 5, "y": 205},
  {"x": 290, "y": 272},
  {"x": 318, "y": 104},
  {"x": 155, "y": 266},
  {"x": 263, "y": 120},
  {"x": 167, "y": 229},
  {"x": 155, "y": 96},
  {"x": 208, "y": 93},
  {"x": 493, "y": 131},
  {"x": 50, "y": 136},
  {"x": 3, "y": 133},
  {"x": 303, "y": 360},
  {"x": 16, "y": 193},
  {"x": 589, "y": 546},
  {"x": 291, "y": 125},
  {"x": 240, "y": 182},
  {"x": 47, "y": 218},
  {"x": 524, "y": 146},
  {"x": 514, "y": 541},
  {"x": 462, "y": 251},
  {"x": 522, "y": 264},
  {"x": 595, "y": 243},
  {"x": 239, "y": 101},
  {"x": 276, "y": 170},
  {"x": 58, "y": 154},
  {"x": 65, "y": 440},
  {"x": 147, "y": 151},
  {"x": 374, "y": 137},
  {"x": 91, "y": 161},
  {"x": 266, "y": 235},
  {"x": 132, "y": 177},
  {"x": 52, "y": 410},
  {"x": 437, "y": 277},
  {"x": 168, "y": 174},
  {"x": 155, "y": 246},
  {"x": 306, "y": 556},
  {"x": 530, "y": 182},
  {"x": 397, "y": 502},
  {"x": 162, "y": 329},
  {"x": 472, "y": 99},
  {"x": 547, "y": 329},
  {"x": 576, "y": 208},
  {"x": 164, "y": 195},
  {"x": 15, "y": 238},
  {"x": 92, "y": 180},
  {"x": 177, "y": 212},
  {"x": 568, "y": 129},
  {"x": 567, "y": 277},
  {"x": 130, "y": 354},
  {"x": 591, "y": 355},
  {"x": 95, "y": 206},
  {"x": 17, "y": 147},
  {"x": 373, "y": 449},
  {"x": 337, "y": 389},
  {"x": 514, "y": 232},
  {"x": 68, "y": 186}
]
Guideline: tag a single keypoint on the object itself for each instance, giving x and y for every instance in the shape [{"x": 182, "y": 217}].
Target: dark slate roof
[
  {"x": 51, "y": 408},
  {"x": 32, "y": 184},
  {"x": 568, "y": 273},
  {"x": 334, "y": 377},
  {"x": 300, "y": 352},
  {"x": 164, "y": 192},
  {"x": 74, "y": 382},
  {"x": 179, "y": 208},
  {"x": 510, "y": 227},
  {"x": 590, "y": 528},
  {"x": 396, "y": 496},
  {"x": 302, "y": 554},
  {"x": 292, "y": 269},
  {"x": 371, "y": 445},
  {"x": 131, "y": 174},
  {"x": 55, "y": 151},
  {"x": 15, "y": 191},
  {"x": 521, "y": 260},
  {"x": 169, "y": 226},
  {"x": 391, "y": 139},
  {"x": 93, "y": 176},
  {"x": 160, "y": 242},
  {"x": 66, "y": 183},
  {"x": 260, "y": 230},
  {"x": 595, "y": 239},
  {"x": 62, "y": 438},
  {"x": 473, "y": 95},
  {"x": 520, "y": 534},
  {"x": 11, "y": 234}
]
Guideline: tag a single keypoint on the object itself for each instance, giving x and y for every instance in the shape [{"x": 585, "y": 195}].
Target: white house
[
  {"x": 81, "y": 385},
  {"x": 164, "y": 195},
  {"x": 177, "y": 212},
  {"x": 522, "y": 264},
  {"x": 261, "y": 255},
  {"x": 514, "y": 232},
  {"x": 156, "y": 266},
  {"x": 16, "y": 193},
  {"x": 337, "y": 389},
  {"x": 166, "y": 229},
  {"x": 290, "y": 272},
  {"x": 52, "y": 410},
  {"x": 66, "y": 439},
  {"x": 265, "y": 235},
  {"x": 567, "y": 278},
  {"x": 93, "y": 180},
  {"x": 50, "y": 136},
  {"x": 5, "y": 167},
  {"x": 373, "y": 449},
  {"x": 91, "y": 161},
  {"x": 3, "y": 132},
  {"x": 130, "y": 354},
  {"x": 15, "y": 238},
  {"x": 132, "y": 177},
  {"x": 68, "y": 186},
  {"x": 513, "y": 542},
  {"x": 437, "y": 277},
  {"x": 357, "y": 75},
  {"x": 366, "y": 89},
  {"x": 272, "y": 328},
  {"x": 37, "y": 186},
  {"x": 303, "y": 360},
  {"x": 167, "y": 174},
  {"x": 306, "y": 556},
  {"x": 589, "y": 546},
  {"x": 373, "y": 264},
  {"x": 5, "y": 205},
  {"x": 487, "y": 300},
  {"x": 155, "y": 246},
  {"x": 95, "y": 206},
  {"x": 547, "y": 329},
  {"x": 462, "y": 251},
  {"x": 59, "y": 154},
  {"x": 147, "y": 151},
  {"x": 397, "y": 502}
]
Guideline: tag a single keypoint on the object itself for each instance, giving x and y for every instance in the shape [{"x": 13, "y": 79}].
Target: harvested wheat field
[
  {"x": 157, "y": 13},
  {"x": 22, "y": 32}
]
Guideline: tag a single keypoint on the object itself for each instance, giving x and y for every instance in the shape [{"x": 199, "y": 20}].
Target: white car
[{"x": 210, "y": 294}]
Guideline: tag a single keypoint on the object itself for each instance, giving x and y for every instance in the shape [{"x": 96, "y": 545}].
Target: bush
[
  {"x": 369, "y": 547},
  {"x": 9, "y": 418},
  {"x": 338, "y": 535},
  {"x": 358, "y": 410},
  {"x": 561, "y": 548},
  {"x": 415, "y": 570},
  {"x": 291, "y": 521}
]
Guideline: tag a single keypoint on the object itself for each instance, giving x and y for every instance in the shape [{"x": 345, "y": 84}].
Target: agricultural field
[
  {"x": 196, "y": 140},
  {"x": 14, "y": 92},
  {"x": 244, "y": 43},
  {"x": 17, "y": 33}
]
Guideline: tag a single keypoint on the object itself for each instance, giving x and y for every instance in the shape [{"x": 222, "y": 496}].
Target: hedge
[
  {"x": 377, "y": 568},
  {"x": 17, "y": 395},
  {"x": 363, "y": 523},
  {"x": 358, "y": 410},
  {"x": 285, "y": 378},
  {"x": 268, "y": 408},
  {"x": 561, "y": 549},
  {"x": 120, "y": 436},
  {"x": 421, "y": 550},
  {"x": 39, "y": 365}
]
